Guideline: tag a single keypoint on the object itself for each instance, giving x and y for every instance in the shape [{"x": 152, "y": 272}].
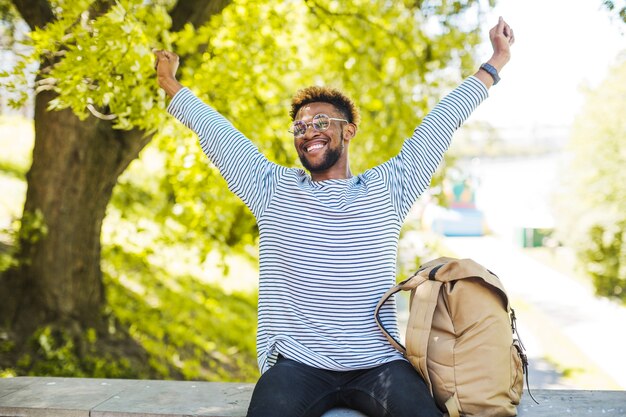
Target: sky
[{"x": 560, "y": 46}]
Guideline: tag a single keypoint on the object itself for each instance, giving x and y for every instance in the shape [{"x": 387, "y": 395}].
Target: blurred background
[{"x": 123, "y": 254}]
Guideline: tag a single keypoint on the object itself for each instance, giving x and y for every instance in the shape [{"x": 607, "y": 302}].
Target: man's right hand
[
  {"x": 166, "y": 65},
  {"x": 501, "y": 37}
]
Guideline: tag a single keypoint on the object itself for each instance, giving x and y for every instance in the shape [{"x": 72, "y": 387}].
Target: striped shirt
[{"x": 327, "y": 249}]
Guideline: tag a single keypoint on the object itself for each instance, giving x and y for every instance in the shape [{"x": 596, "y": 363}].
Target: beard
[{"x": 331, "y": 156}]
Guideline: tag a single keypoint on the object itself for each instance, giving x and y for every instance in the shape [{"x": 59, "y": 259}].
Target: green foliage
[
  {"x": 54, "y": 351},
  {"x": 190, "y": 329},
  {"x": 7, "y": 252},
  {"x": 26, "y": 231},
  {"x": 593, "y": 201},
  {"x": 107, "y": 62},
  {"x": 33, "y": 227},
  {"x": 99, "y": 64},
  {"x": 605, "y": 258},
  {"x": 12, "y": 168}
]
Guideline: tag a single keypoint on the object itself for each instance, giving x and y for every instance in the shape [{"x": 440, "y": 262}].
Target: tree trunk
[
  {"x": 75, "y": 167},
  {"x": 76, "y": 164}
]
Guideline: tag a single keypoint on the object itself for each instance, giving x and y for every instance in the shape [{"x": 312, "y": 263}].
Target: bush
[{"x": 605, "y": 258}]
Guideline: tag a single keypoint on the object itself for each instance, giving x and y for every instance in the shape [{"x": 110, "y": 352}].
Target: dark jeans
[{"x": 291, "y": 389}]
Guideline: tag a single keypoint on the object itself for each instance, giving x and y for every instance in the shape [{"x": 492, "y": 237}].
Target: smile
[{"x": 314, "y": 146}]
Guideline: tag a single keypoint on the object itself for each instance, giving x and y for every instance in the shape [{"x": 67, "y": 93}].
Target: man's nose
[{"x": 309, "y": 131}]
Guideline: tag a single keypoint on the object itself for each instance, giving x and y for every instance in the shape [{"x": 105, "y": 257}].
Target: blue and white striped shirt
[{"x": 327, "y": 249}]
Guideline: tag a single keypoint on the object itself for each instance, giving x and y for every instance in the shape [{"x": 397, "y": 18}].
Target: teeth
[{"x": 315, "y": 146}]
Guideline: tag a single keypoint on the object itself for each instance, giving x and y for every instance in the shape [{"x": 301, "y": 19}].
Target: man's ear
[{"x": 349, "y": 131}]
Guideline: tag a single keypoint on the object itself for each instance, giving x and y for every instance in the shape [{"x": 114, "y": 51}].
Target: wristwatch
[{"x": 490, "y": 69}]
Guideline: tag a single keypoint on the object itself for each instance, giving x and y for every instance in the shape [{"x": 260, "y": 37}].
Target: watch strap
[{"x": 491, "y": 70}]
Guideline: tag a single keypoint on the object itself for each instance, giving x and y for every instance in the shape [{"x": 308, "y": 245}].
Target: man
[{"x": 328, "y": 243}]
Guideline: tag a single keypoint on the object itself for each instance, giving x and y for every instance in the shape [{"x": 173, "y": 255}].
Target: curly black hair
[{"x": 329, "y": 95}]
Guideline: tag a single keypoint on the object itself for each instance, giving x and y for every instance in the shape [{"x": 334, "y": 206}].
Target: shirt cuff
[
  {"x": 177, "y": 99},
  {"x": 482, "y": 88}
]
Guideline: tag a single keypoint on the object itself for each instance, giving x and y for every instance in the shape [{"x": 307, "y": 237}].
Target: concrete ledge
[{"x": 83, "y": 397}]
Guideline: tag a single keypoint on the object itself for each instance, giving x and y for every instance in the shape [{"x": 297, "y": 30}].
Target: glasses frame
[{"x": 312, "y": 124}]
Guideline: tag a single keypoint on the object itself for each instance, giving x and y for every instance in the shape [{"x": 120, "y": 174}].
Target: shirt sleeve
[
  {"x": 409, "y": 173},
  {"x": 248, "y": 173}
]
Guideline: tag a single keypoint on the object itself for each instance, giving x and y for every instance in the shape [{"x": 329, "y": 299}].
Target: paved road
[{"x": 560, "y": 320}]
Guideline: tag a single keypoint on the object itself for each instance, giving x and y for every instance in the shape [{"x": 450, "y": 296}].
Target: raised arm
[
  {"x": 248, "y": 173},
  {"x": 410, "y": 172}
]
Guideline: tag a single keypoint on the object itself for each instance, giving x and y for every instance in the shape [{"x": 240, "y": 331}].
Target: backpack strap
[
  {"x": 406, "y": 285},
  {"x": 423, "y": 305},
  {"x": 422, "y": 317},
  {"x": 395, "y": 343},
  {"x": 453, "y": 406},
  {"x": 450, "y": 269}
]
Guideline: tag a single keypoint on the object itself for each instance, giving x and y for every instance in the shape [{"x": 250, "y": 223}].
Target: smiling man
[{"x": 328, "y": 243}]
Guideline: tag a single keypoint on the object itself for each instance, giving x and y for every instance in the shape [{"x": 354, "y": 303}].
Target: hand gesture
[
  {"x": 501, "y": 37},
  {"x": 166, "y": 65}
]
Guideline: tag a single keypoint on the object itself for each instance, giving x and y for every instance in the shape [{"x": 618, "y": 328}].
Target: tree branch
[
  {"x": 195, "y": 12},
  {"x": 99, "y": 7},
  {"x": 368, "y": 21},
  {"x": 100, "y": 115},
  {"x": 36, "y": 13}
]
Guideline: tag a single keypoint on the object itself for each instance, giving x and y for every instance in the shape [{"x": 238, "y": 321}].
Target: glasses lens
[
  {"x": 321, "y": 122},
  {"x": 298, "y": 128}
]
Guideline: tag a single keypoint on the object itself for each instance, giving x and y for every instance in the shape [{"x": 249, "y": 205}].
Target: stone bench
[{"x": 84, "y": 397}]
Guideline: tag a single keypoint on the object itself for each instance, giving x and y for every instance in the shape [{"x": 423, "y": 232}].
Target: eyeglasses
[{"x": 320, "y": 122}]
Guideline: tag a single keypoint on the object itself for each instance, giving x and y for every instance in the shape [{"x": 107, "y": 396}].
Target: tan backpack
[{"x": 460, "y": 338}]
